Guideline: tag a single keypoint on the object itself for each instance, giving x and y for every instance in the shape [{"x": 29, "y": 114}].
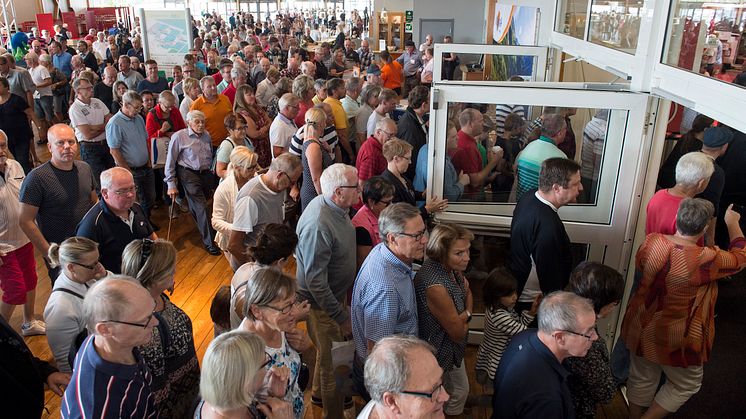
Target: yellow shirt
[
  {"x": 340, "y": 116},
  {"x": 215, "y": 114}
]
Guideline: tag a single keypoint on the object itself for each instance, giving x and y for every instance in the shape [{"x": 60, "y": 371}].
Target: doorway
[{"x": 438, "y": 28}]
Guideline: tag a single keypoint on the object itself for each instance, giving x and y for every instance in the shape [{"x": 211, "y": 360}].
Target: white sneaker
[{"x": 34, "y": 327}]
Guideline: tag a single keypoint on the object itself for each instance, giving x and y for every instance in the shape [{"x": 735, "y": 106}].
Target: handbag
[{"x": 158, "y": 151}]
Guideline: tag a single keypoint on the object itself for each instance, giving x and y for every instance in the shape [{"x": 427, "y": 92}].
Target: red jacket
[{"x": 154, "y": 120}]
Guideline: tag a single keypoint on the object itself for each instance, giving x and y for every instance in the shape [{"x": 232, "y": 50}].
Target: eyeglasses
[
  {"x": 433, "y": 396},
  {"x": 409, "y": 159},
  {"x": 350, "y": 187},
  {"x": 89, "y": 267},
  {"x": 145, "y": 250},
  {"x": 283, "y": 310},
  {"x": 386, "y": 203},
  {"x": 416, "y": 236},
  {"x": 289, "y": 178},
  {"x": 144, "y": 326},
  {"x": 127, "y": 191},
  {"x": 589, "y": 337}
]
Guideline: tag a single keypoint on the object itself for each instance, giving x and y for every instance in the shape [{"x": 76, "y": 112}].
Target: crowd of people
[{"x": 277, "y": 155}]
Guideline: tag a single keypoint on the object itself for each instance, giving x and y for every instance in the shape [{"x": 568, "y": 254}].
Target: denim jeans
[
  {"x": 145, "y": 184},
  {"x": 97, "y": 156}
]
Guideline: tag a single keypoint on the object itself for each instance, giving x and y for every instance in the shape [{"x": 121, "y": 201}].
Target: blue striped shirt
[
  {"x": 529, "y": 163},
  {"x": 383, "y": 299},
  {"x": 103, "y": 389}
]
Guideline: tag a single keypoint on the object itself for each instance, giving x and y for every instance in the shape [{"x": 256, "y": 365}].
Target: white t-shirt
[
  {"x": 372, "y": 121},
  {"x": 93, "y": 114},
  {"x": 281, "y": 132},
  {"x": 38, "y": 75}
]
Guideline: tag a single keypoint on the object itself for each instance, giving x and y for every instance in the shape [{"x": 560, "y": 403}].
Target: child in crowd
[
  {"x": 501, "y": 322},
  {"x": 219, "y": 309}
]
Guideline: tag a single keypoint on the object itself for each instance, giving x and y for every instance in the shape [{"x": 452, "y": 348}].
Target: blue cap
[
  {"x": 374, "y": 69},
  {"x": 717, "y": 136}
]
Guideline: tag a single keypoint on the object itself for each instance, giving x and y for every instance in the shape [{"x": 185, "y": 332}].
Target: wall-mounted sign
[{"x": 409, "y": 15}]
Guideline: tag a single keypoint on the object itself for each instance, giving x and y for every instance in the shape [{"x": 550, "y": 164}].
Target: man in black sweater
[
  {"x": 411, "y": 127},
  {"x": 540, "y": 256}
]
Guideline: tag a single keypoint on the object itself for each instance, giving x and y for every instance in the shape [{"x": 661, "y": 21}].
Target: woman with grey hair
[
  {"x": 368, "y": 102},
  {"x": 234, "y": 376},
  {"x": 444, "y": 306},
  {"x": 669, "y": 325},
  {"x": 271, "y": 312}
]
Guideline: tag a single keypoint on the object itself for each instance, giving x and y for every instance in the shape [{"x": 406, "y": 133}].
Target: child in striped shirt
[{"x": 501, "y": 322}]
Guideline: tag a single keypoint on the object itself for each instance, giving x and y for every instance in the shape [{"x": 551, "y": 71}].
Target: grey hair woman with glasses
[
  {"x": 243, "y": 166},
  {"x": 170, "y": 355},
  {"x": 270, "y": 312},
  {"x": 78, "y": 259}
]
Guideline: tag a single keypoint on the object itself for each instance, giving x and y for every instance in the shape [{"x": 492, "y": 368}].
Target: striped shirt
[
  {"x": 594, "y": 135},
  {"x": 102, "y": 389},
  {"x": 10, "y": 207},
  {"x": 500, "y": 326},
  {"x": 502, "y": 112},
  {"x": 330, "y": 138},
  {"x": 529, "y": 163}
]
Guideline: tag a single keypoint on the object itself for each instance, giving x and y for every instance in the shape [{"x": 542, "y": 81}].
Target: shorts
[
  {"x": 644, "y": 378},
  {"x": 18, "y": 274},
  {"x": 60, "y": 104},
  {"x": 44, "y": 107}
]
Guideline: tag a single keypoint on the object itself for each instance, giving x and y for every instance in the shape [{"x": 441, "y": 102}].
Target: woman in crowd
[
  {"x": 267, "y": 87},
  {"x": 59, "y": 87},
  {"x": 118, "y": 90},
  {"x": 501, "y": 322},
  {"x": 191, "y": 93},
  {"x": 236, "y": 126},
  {"x": 444, "y": 306},
  {"x": 112, "y": 51},
  {"x": 243, "y": 168},
  {"x": 369, "y": 101},
  {"x": 590, "y": 381},
  {"x": 170, "y": 355},
  {"x": 669, "y": 324},
  {"x": 162, "y": 121},
  {"x": 692, "y": 141},
  {"x": 269, "y": 312},
  {"x": 427, "y": 71},
  {"x": 78, "y": 258},
  {"x": 148, "y": 103},
  {"x": 338, "y": 68},
  {"x": 257, "y": 122},
  {"x": 378, "y": 193},
  {"x": 453, "y": 182},
  {"x": 274, "y": 245},
  {"x": 315, "y": 157},
  {"x": 303, "y": 88},
  {"x": 284, "y": 85},
  {"x": 15, "y": 120},
  {"x": 398, "y": 154},
  {"x": 234, "y": 374}
]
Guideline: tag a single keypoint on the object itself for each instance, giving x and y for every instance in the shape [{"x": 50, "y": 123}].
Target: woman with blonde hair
[
  {"x": 257, "y": 122},
  {"x": 118, "y": 89},
  {"x": 170, "y": 355},
  {"x": 314, "y": 157},
  {"x": 78, "y": 259},
  {"x": 243, "y": 166},
  {"x": 234, "y": 374},
  {"x": 191, "y": 93},
  {"x": 271, "y": 312}
]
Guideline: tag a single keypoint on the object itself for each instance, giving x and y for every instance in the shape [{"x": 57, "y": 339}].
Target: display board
[{"x": 167, "y": 36}]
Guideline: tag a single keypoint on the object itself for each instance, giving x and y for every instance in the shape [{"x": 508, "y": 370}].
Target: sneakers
[
  {"x": 182, "y": 205},
  {"x": 34, "y": 327}
]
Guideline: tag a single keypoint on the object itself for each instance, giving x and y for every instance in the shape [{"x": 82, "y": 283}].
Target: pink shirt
[{"x": 661, "y": 213}]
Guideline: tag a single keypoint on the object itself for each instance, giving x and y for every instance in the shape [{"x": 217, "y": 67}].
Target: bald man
[{"x": 61, "y": 183}]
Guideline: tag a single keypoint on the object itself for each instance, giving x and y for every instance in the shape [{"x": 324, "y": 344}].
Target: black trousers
[{"x": 198, "y": 187}]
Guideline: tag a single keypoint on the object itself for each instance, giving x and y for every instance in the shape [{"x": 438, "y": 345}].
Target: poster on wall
[
  {"x": 513, "y": 25},
  {"x": 167, "y": 36}
]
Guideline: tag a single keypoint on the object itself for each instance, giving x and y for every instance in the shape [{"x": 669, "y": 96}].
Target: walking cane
[{"x": 170, "y": 219}]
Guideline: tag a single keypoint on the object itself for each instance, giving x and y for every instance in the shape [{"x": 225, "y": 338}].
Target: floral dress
[{"x": 286, "y": 356}]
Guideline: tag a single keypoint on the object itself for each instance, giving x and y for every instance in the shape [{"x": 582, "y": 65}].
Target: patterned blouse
[
  {"x": 590, "y": 380},
  {"x": 286, "y": 356},
  {"x": 670, "y": 319},
  {"x": 433, "y": 273},
  {"x": 172, "y": 359}
]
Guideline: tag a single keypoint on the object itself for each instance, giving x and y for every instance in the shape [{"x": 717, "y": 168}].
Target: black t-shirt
[
  {"x": 714, "y": 189},
  {"x": 13, "y": 119},
  {"x": 362, "y": 237},
  {"x": 104, "y": 93}
]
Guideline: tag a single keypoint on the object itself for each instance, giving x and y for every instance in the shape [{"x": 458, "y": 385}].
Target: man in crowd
[
  {"x": 61, "y": 58},
  {"x": 188, "y": 163},
  {"x": 531, "y": 381},
  {"x": 427, "y": 44},
  {"x": 43, "y": 99},
  {"x": 293, "y": 68},
  {"x": 335, "y": 90},
  {"x": 237, "y": 79},
  {"x": 110, "y": 376},
  {"x": 350, "y": 54},
  {"x": 373, "y": 76},
  {"x": 103, "y": 89},
  {"x": 411, "y": 62},
  {"x": 404, "y": 380},
  {"x": 714, "y": 145},
  {"x": 528, "y": 162},
  {"x": 540, "y": 254},
  {"x": 89, "y": 58},
  {"x": 129, "y": 76},
  {"x": 591, "y": 155},
  {"x": 89, "y": 117},
  {"x": 350, "y": 104},
  {"x": 21, "y": 82},
  {"x": 260, "y": 202},
  {"x": 152, "y": 82},
  {"x": 370, "y": 160},
  {"x": 259, "y": 72},
  {"x": 283, "y": 127},
  {"x": 224, "y": 74},
  {"x": 61, "y": 183},
  {"x": 366, "y": 56},
  {"x": 99, "y": 45},
  {"x": 215, "y": 107},
  {"x": 128, "y": 142},
  {"x": 387, "y": 101},
  {"x": 383, "y": 298},
  {"x": 116, "y": 219},
  {"x": 325, "y": 271},
  {"x": 412, "y": 127},
  {"x": 308, "y": 68},
  {"x": 136, "y": 51},
  {"x": 467, "y": 157}
]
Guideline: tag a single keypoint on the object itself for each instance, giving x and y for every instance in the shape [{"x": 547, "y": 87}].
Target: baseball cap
[
  {"x": 374, "y": 70},
  {"x": 717, "y": 136}
]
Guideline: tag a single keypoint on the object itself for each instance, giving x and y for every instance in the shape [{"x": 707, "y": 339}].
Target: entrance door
[{"x": 438, "y": 28}]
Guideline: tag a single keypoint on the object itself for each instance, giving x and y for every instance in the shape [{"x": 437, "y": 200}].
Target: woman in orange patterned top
[{"x": 669, "y": 325}]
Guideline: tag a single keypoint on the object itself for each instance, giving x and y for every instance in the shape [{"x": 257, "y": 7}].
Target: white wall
[
  {"x": 469, "y": 16},
  {"x": 25, "y": 10}
]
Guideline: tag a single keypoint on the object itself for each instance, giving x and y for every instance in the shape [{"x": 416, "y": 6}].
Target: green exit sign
[{"x": 409, "y": 15}]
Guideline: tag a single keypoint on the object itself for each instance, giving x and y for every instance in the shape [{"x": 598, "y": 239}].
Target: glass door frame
[{"x": 540, "y": 54}]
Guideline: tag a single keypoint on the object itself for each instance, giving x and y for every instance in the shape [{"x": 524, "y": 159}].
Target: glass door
[{"x": 527, "y": 63}]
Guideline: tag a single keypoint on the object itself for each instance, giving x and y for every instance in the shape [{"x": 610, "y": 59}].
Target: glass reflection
[
  {"x": 616, "y": 24},
  {"x": 572, "y": 18},
  {"x": 705, "y": 38}
]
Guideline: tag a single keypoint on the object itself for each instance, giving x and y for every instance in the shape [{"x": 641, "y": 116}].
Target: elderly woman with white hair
[
  {"x": 243, "y": 166},
  {"x": 669, "y": 325},
  {"x": 234, "y": 375}
]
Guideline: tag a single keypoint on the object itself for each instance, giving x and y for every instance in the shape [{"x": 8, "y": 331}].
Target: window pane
[
  {"x": 616, "y": 24},
  {"x": 704, "y": 38},
  {"x": 572, "y": 17}
]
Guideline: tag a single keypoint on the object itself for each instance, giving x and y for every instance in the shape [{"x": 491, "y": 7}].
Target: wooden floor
[{"x": 198, "y": 277}]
